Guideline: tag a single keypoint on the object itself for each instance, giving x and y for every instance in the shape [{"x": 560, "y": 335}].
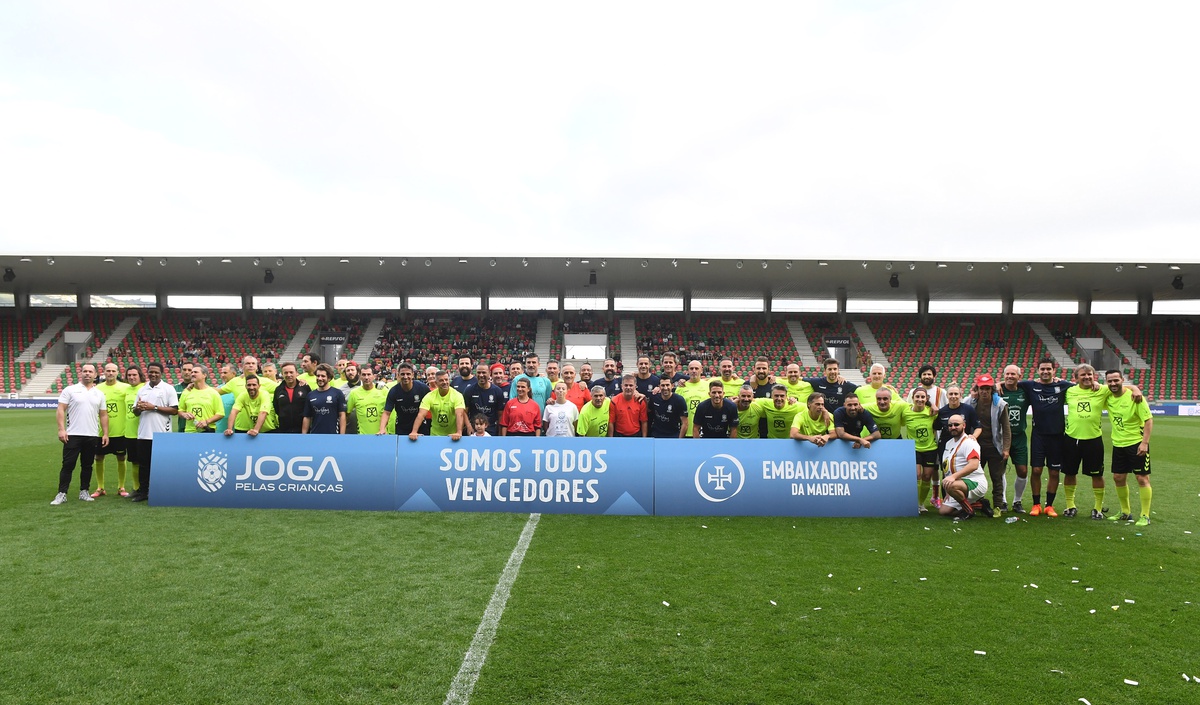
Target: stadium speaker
[
  {"x": 9, "y": 274},
  {"x": 591, "y": 277},
  {"x": 1176, "y": 283},
  {"x": 268, "y": 277},
  {"x": 894, "y": 281}
]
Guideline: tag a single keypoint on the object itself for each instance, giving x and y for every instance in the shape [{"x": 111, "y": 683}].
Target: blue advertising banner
[
  {"x": 274, "y": 471},
  {"x": 784, "y": 478},
  {"x": 548, "y": 475}
]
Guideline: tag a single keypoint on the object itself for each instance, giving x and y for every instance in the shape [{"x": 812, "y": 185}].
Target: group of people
[{"x": 970, "y": 436}]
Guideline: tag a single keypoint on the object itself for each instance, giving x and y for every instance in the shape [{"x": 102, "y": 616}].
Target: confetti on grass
[
  {"x": 980, "y": 653},
  {"x": 666, "y": 604},
  {"x": 1129, "y": 682},
  {"x": 773, "y": 603}
]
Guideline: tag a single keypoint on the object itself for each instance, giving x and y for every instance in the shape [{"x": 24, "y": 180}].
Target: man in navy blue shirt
[
  {"x": 1047, "y": 396},
  {"x": 404, "y": 398},
  {"x": 325, "y": 407},
  {"x": 850, "y": 420},
  {"x": 716, "y": 416},
  {"x": 645, "y": 380},
  {"x": 832, "y": 385},
  {"x": 668, "y": 411},
  {"x": 483, "y": 397}
]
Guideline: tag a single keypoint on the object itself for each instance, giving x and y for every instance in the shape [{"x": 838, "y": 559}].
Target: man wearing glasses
[{"x": 964, "y": 480}]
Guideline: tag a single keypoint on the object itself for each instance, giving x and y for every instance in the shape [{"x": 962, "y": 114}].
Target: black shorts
[
  {"x": 1125, "y": 460},
  {"x": 1089, "y": 453},
  {"x": 131, "y": 449},
  {"x": 116, "y": 446},
  {"x": 927, "y": 458},
  {"x": 1047, "y": 451}
]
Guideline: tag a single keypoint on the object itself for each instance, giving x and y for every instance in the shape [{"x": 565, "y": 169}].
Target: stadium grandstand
[{"x": 57, "y": 312}]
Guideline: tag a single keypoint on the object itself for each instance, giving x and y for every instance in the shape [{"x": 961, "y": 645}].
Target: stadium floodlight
[
  {"x": 912, "y": 266},
  {"x": 888, "y": 266},
  {"x": 864, "y": 264},
  {"x": 567, "y": 263},
  {"x": 645, "y": 263},
  {"x": 268, "y": 277},
  {"x": 199, "y": 261},
  {"x": 1119, "y": 268},
  {"x": 9, "y": 274},
  {"x": 764, "y": 264},
  {"x": 1177, "y": 283},
  {"x": 381, "y": 261},
  {"x": 492, "y": 262},
  {"x": 109, "y": 260},
  {"x": 304, "y": 262},
  {"x": 942, "y": 265},
  {"x": 970, "y": 266},
  {"x": 279, "y": 262},
  {"x": 1173, "y": 267},
  {"x": 788, "y": 265},
  {"x": 524, "y": 261},
  {"x": 140, "y": 261},
  {"x": 1140, "y": 266},
  {"x": 822, "y": 263},
  {"x": 428, "y": 263},
  {"x": 1059, "y": 266},
  {"x": 257, "y": 261},
  {"x": 603, "y": 263},
  {"x": 404, "y": 262},
  {"x": 894, "y": 281},
  {"x": 1004, "y": 267},
  {"x": 162, "y": 262},
  {"x": 50, "y": 261},
  {"x": 739, "y": 264},
  {"x": 674, "y": 263}
]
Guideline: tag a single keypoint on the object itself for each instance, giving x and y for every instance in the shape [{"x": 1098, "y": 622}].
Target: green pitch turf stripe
[{"x": 468, "y": 673}]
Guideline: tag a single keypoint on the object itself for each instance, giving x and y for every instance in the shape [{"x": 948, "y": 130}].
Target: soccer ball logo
[{"x": 213, "y": 469}]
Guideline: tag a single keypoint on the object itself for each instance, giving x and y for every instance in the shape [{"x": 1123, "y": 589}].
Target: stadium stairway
[
  {"x": 803, "y": 347},
  {"x": 871, "y": 344},
  {"x": 39, "y": 343},
  {"x": 1127, "y": 351},
  {"x": 295, "y": 348},
  {"x": 541, "y": 344},
  {"x": 39, "y": 384},
  {"x": 370, "y": 338},
  {"x": 1052, "y": 345},
  {"x": 114, "y": 340},
  {"x": 629, "y": 351}
]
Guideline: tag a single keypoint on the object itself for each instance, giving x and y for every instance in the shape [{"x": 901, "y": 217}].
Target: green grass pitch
[{"x": 111, "y": 602}]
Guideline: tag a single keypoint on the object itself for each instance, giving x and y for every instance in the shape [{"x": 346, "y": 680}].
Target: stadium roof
[{"x": 598, "y": 277}]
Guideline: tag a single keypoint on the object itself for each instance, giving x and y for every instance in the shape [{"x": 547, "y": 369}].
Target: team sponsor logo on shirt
[{"x": 720, "y": 478}]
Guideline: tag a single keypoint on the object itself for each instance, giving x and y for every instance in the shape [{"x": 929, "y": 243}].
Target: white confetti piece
[
  {"x": 1091, "y": 611},
  {"x": 860, "y": 588},
  {"x": 1116, "y": 607},
  {"x": 1055, "y": 670},
  {"x": 773, "y": 603},
  {"x": 1033, "y": 585},
  {"x": 1084, "y": 701},
  {"x": 927, "y": 528},
  {"x": 1074, "y": 568},
  {"x": 816, "y": 608},
  {"x": 829, "y": 576},
  {"x": 579, "y": 567},
  {"x": 1074, "y": 581},
  {"x": 702, "y": 526},
  {"x": 1088, "y": 589},
  {"x": 666, "y": 604},
  {"x": 924, "y": 579},
  {"x": 1025, "y": 585},
  {"x": 995, "y": 570},
  {"x": 949, "y": 547},
  {"x": 980, "y": 653},
  {"x": 1129, "y": 682},
  {"x": 1048, "y": 602},
  {"x": 1187, "y": 532},
  {"x": 889, "y": 553},
  {"x": 678, "y": 633},
  {"x": 1185, "y": 677},
  {"x": 1129, "y": 602}
]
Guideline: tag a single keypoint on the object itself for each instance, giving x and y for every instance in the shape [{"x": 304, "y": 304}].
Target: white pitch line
[{"x": 468, "y": 673}]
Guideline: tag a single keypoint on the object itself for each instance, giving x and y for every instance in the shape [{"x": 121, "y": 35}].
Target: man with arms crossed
[
  {"x": 82, "y": 419},
  {"x": 1131, "y": 426}
]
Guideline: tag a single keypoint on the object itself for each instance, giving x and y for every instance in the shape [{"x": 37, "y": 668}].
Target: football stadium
[{"x": 491, "y": 356}]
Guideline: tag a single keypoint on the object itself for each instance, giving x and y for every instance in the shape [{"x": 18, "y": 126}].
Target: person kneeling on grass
[{"x": 964, "y": 480}]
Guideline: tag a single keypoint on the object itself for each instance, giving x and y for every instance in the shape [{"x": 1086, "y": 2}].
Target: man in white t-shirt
[
  {"x": 560, "y": 415},
  {"x": 82, "y": 415},
  {"x": 156, "y": 404},
  {"x": 964, "y": 481}
]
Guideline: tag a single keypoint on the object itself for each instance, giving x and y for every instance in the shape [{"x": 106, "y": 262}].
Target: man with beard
[
  {"x": 156, "y": 404},
  {"x": 252, "y": 413},
  {"x": 325, "y": 408},
  {"x": 849, "y": 422},
  {"x": 964, "y": 480},
  {"x": 935, "y": 395},
  {"x": 611, "y": 382},
  {"x": 1131, "y": 427},
  {"x": 465, "y": 377},
  {"x": 715, "y": 417},
  {"x": 731, "y": 382},
  {"x": 645, "y": 380},
  {"x": 308, "y": 365},
  {"x": 1018, "y": 406},
  {"x": 832, "y": 385},
  {"x": 200, "y": 406},
  {"x": 668, "y": 412},
  {"x": 445, "y": 408},
  {"x": 365, "y": 402},
  {"x": 694, "y": 391},
  {"x": 82, "y": 428},
  {"x": 995, "y": 437}
]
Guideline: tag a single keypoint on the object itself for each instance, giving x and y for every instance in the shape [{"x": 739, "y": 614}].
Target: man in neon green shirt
[
  {"x": 876, "y": 380},
  {"x": 693, "y": 391},
  {"x": 309, "y": 363},
  {"x": 796, "y": 388},
  {"x": 237, "y": 385},
  {"x": 593, "y": 417},
  {"x": 1084, "y": 444},
  {"x": 887, "y": 412},
  {"x": 114, "y": 401},
  {"x": 779, "y": 411},
  {"x": 748, "y": 414},
  {"x": 814, "y": 424},
  {"x": 252, "y": 410},
  {"x": 133, "y": 377},
  {"x": 1131, "y": 427},
  {"x": 446, "y": 409},
  {"x": 200, "y": 406},
  {"x": 729, "y": 381},
  {"x": 368, "y": 399}
]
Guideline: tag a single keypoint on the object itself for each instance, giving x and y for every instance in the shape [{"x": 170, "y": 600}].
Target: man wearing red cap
[{"x": 995, "y": 438}]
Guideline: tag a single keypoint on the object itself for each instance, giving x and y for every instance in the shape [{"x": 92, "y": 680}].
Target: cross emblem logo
[{"x": 720, "y": 477}]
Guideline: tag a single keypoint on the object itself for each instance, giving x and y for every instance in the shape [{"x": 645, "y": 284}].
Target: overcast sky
[{"x": 864, "y": 129}]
